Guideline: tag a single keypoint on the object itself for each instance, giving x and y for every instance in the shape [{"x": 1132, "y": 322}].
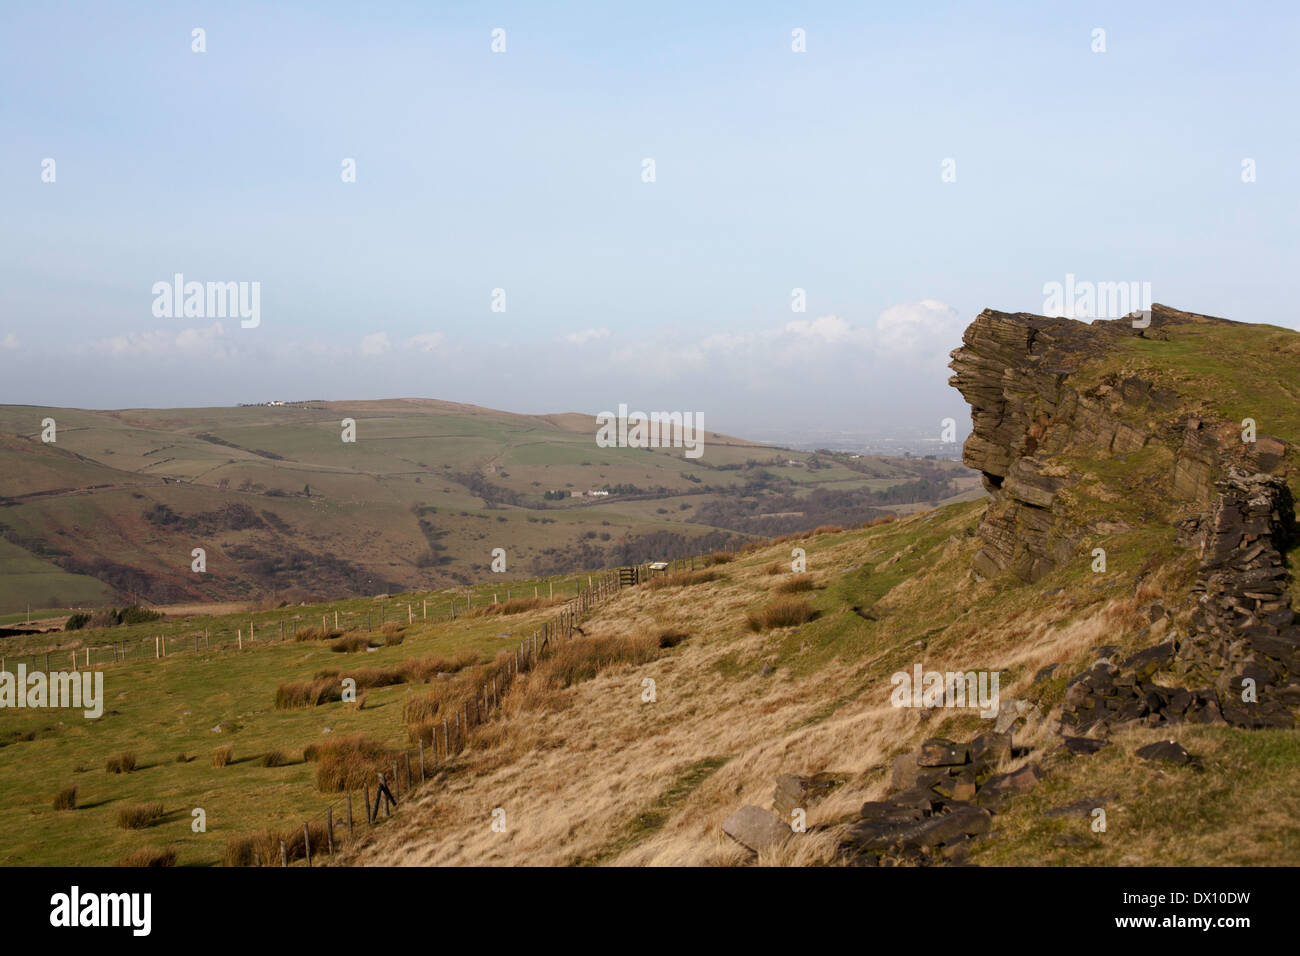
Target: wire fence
[
  {"x": 261, "y": 630},
  {"x": 337, "y": 825}
]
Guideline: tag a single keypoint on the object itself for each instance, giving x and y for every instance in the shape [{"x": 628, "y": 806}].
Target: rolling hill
[{"x": 112, "y": 509}]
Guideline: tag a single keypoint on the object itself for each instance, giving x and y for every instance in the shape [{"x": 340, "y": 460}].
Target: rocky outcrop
[
  {"x": 946, "y": 793},
  {"x": 1015, "y": 372},
  {"x": 1239, "y": 660}
]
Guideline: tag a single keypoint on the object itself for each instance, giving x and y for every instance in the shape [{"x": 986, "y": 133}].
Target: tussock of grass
[
  {"x": 222, "y": 756},
  {"x": 122, "y": 763},
  {"x": 584, "y": 658},
  {"x": 149, "y": 856},
  {"x": 274, "y": 758},
  {"x": 718, "y": 557},
  {"x": 263, "y": 848},
  {"x": 783, "y": 612},
  {"x": 139, "y": 816},
  {"x": 351, "y": 643},
  {"x": 316, "y": 634},
  {"x": 66, "y": 799},
  {"x": 347, "y": 763}
]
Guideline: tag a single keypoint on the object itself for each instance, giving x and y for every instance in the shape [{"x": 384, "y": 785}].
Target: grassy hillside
[{"x": 285, "y": 508}]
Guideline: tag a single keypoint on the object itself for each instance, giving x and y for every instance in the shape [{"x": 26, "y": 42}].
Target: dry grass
[
  {"x": 351, "y": 643},
  {"x": 149, "y": 856},
  {"x": 718, "y": 557},
  {"x": 66, "y": 799},
  {"x": 794, "y": 585},
  {"x": 274, "y": 758},
  {"x": 590, "y": 772},
  {"x": 783, "y": 612},
  {"x": 222, "y": 756},
  {"x": 327, "y": 685},
  {"x": 683, "y": 579},
  {"x": 514, "y": 606},
  {"x": 263, "y": 848},
  {"x": 347, "y": 763},
  {"x": 139, "y": 816},
  {"x": 122, "y": 763},
  {"x": 316, "y": 634}
]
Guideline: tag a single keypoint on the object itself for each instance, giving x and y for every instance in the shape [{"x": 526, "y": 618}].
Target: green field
[{"x": 158, "y": 709}]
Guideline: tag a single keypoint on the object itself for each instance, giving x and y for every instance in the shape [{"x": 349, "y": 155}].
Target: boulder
[
  {"x": 755, "y": 829},
  {"x": 941, "y": 752},
  {"x": 793, "y": 791},
  {"x": 1170, "y": 751}
]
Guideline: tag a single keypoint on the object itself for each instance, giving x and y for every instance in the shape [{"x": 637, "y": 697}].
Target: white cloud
[
  {"x": 919, "y": 330},
  {"x": 913, "y": 334},
  {"x": 376, "y": 343},
  {"x": 586, "y": 335},
  {"x": 192, "y": 343},
  {"x": 426, "y": 342},
  {"x": 827, "y": 329}
]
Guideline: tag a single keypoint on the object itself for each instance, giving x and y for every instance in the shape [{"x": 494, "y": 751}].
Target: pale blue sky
[{"x": 522, "y": 171}]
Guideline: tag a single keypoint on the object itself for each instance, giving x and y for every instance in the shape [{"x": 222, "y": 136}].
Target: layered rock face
[
  {"x": 1015, "y": 371},
  {"x": 1018, "y": 372}
]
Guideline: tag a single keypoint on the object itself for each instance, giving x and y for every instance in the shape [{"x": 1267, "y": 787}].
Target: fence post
[
  {"x": 369, "y": 822},
  {"x": 284, "y": 854},
  {"x": 421, "y": 742},
  {"x": 329, "y": 830},
  {"x": 349, "y": 813},
  {"x": 306, "y": 842}
]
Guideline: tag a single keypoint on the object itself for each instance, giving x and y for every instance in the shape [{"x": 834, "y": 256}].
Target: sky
[{"x": 912, "y": 165}]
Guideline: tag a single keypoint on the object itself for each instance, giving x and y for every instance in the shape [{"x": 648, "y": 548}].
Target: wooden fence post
[
  {"x": 369, "y": 822},
  {"x": 329, "y": 830},
  {"x": 284, "y": 854},
  {"x": 349, "y": 813},
  {"x": 306, "y": 843}
]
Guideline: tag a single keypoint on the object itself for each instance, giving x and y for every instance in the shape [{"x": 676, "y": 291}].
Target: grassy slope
[
  {"x": 158, "y": 709},
  {"x": 598, "y": 776}
]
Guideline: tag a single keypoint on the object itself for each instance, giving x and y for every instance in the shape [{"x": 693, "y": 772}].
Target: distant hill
[{"x": 113, "y": 508}]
